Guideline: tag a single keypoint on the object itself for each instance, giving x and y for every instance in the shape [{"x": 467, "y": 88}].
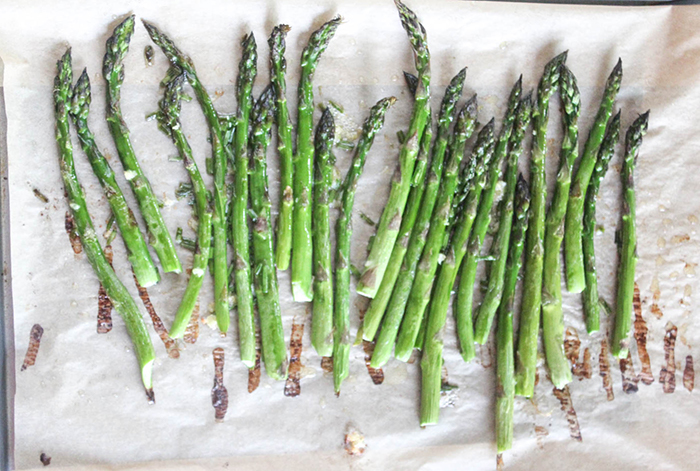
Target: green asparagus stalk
[
  {"x": 169, "y": 122},
  {"x": 619, "y": 346},
  {"x": 117, "y": 292},
  {"x": 113, "y": 72},
  {"x": 499, "y": 247},
  {"x": 552, "y": 313},
  {"x": 322, "y": 321},
  {"x": 341, "y": 307},
  {"x": 278, "y": 69},
  {"x": 573, "y": 250},
  {"x": 390, "y": 222},
  {"x": 238, "y": 211},
  {"x": 377, "y": 307},
  {"x": 465, "y": 291},
  {"x": 526, "y": 358},
  {"x": 274, "y": 351},
  {"x": 433, "y": 344},
  {"x": 220, "y": 156},
  {"x": 591, "y": 308},
  {"x": 402, "y": 288},
  {"x": 302, "y": 245},
  {"x": 505, "y": 369},
  {"x": 140, "y": 258},
  {"x": 425, "y": 274}
]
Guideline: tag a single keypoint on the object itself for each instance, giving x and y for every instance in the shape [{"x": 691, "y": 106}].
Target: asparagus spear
[
  {"x": 591, "y": 308},
  {"x": 433, "y": 344},
  {"x": 322, "y": 321},
  {"x": 341, "y": 306},
  {"x": 425, "y": 275},
  {"x": 573, "y": 251},
  {"x": 117, "y": 292},
  {"x": 140, "y": 258},
  {"x": 221, "y": 156},
  {"x": 274, "y": 351},
  {"x": 505, "y": 381},
  {"x": 463, "y": 304},
  {"x": 628, "y": 251},
  {"x": 390, "y": 222},
  {"x": 113, "y": 72},
  {"x": 302, "y": 247},
  {"x": 278, "y": 69},
  {"x": 552, "y": 314},
  {"x": 169, "y": 122},
  {"x": 402, "y": 288},
  {"x": 499, "y": 246},
  {"x": 240, "y": 233},
  {"x": 532, "y": 287},
  {"x": 377, "y": 307}
]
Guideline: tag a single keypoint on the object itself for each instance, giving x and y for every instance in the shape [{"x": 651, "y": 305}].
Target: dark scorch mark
[
  {"x": 170, "y": 345},
  {"x": 104, "y": 304},
  {"x": 667, "y": 377},
  {"x": 219, "y": 395},
  {"x": 629, "y": 377},
  {"x": 73, "y": 236},
  {"x": 45, "y": 459},
  {"x": 34, "y": 341},
  {"x": 604, "y": 367},
  {"x": 689, "y": 374},
  {"x": 377, "y": 374},
  {"x": 292, "y": 387},
  {"x": 640, "y": 336},
  {"x": 567, "y": 406}
]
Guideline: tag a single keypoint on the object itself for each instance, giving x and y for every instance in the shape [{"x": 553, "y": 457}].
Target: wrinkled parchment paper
[{"x": 82, "y": 403}]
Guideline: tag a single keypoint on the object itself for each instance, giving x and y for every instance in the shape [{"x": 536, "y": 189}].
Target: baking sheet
[{"x": 82, "y": 403}]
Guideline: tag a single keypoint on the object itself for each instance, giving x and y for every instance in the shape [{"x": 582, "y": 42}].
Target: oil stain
[
  {"x": 604, "y": 367},
  {"x": 327, "y": 364},
  {"x": 254, "y": 372},
  {"x": 640, "y": 336},
  {"x": 192, "y": 330},
  {"x": 667, "y": 377},
  {"x": 377, "y": 374},
  {"x": 170, "y": 345},
  {"x": 292, "y": 387},
  {"x": 567, "y": 406},
  {"x": 630, "y": 379},
  {"x": 219, "y": 394},
  {"x": 104, "y": 304},
  {"x": 540, "y": 434},
  {"x": 689, "y": 374},
  {"x": 73, "y": 236},
  {"x": 33, "y": 349}
]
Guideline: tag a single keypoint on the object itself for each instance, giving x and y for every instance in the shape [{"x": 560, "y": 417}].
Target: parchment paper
[{"x": 82, "y": 403}]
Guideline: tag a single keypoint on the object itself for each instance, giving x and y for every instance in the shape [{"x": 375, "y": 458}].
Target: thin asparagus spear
[
  {"x": 221, "y": 156},
  {"x": 433, "y": 344},
  {"x": 465, "y": 291},
  {"x": 526, "y": 358},
  {"x": 591, "y": 308},
  {"x": 278, "y": 69},
  {"x": 169, "y": 122},
  {"x": 377, "y": 307},
  {"x": 425, "y": 275},
  {"x": 341, "y": 306},
  {"x": 274, "y": 351},
  {"x": 302, "y": 245},
  {"x": 390, "y": 222},
  {"x": 505, "y": 380},
  {"x": 573, "y": 250},
  {"x": 619, "y": 346},
  {"x": 552, "y": 313},
  {"x": 117, "y": 292},
  {"x": 113, "y": 72},
  {"x": 322, "y": 321},
  {"x": 136, "y": 247},
  {"x": 433, "y": 186},
  {"x": 499, "y": 247},
  {"x": 238, "y": 211}
]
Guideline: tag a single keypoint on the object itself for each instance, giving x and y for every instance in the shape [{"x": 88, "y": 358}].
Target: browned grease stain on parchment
[
  {"x": 192, "y": 330},
  {"x": 572, "y": 348},
  {"x": 640, "y": 336},
  {"x": 567, "y": 406},
  {"x": 689, "y": 374},
  {"x": 33, "y": 348},
  {"x": 292, "y": 387},
  {"x": 254, "y": 372},
  {"x": 170, "y": 345},
  {"x": 667, "y": 377},
  {"x": 377, "y": 374},
  {"x": 655, "y": 298},
  {"x": 500, "y": 466},
  {"x": 540, "y": 433},
  {"x": 630, "y": 379},
  {"x": 604, "y": 368},
  {"x": 104, "y": 304},
  {"x": 219, "y": 395},
  {"x": 73, "y": 236},
  {"x": 327, "y": 364}
]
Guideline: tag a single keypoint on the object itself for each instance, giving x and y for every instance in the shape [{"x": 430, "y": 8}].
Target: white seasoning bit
[
  {"x": 130, "y": 174},
  {"x": 210, "y": 321},
  {"x": 355, "y": 443},
  {"x": 74, "y": 206},
  {"x": 441, "y": 258},
  {"x": 198, "y": 272}
]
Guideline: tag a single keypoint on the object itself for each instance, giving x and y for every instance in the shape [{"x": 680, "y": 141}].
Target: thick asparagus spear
[
  {"x": 341, "y": 306},
  {"x": 322, "y": 321},
  {"x": 113, "y": 72},
  {"x": 278, "y": 69},
  {"x": 591, "y": 308},
  {"x": 240, "y": 233},
  {"x": 526, "y": 358},
  {"x": 619, "y": 346},
  {"x": 425, "y": 275},
  {"x": 505, "y": 380},
  {"x": 117, "y": 292},
  {"x": 390, "y": 222},
  {"x": 499, "y": 247},
  {"x": 433, "y": 185},
  {"x": 274, "y": 351},
  {"x": 573, "y": 251},
  {"x": 140, "y": 258},
  {"x": 221, "y": 156},
  {"x": 433, "y": 344},
  {"x": 169, "y": 122},
  {"x": 302, "y": 245},
  {"x": 552, "y": 313},
  {"x": 465, "y": 292}
]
